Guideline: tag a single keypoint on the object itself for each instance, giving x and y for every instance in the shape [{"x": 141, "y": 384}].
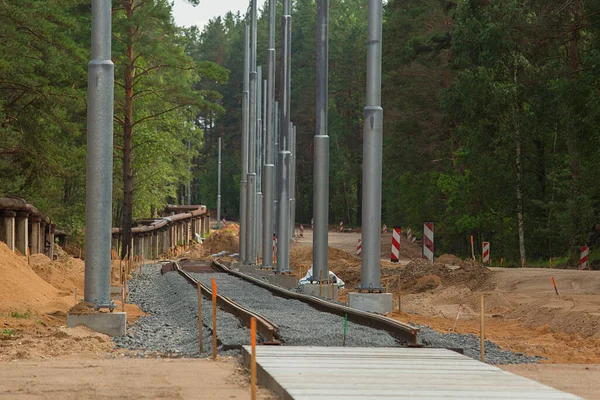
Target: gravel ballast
[{"x": 171, "y": 327}]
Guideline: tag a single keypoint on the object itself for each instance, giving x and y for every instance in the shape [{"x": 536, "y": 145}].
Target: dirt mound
[
  {"x": 21, "y": 289},
  {"x": 448, "y": 259},
  {"x": 408, "y": 250},
  {"x": 225, "y": 239},
  {"x": 428, "y": 282},
  {"x": 232, "y": 227},
  {"x": 342, "y": 263},
  {"x": 65, "y": 274},
  {"x": 196, "y": 252},
  {"x": 472, "y": 274}
]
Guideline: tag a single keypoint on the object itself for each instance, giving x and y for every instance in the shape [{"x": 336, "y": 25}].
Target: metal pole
[
  {"x": 321, "y": 148},
  {"x": 251, "y": 188},
  {"x": 98, "y": 207},
  {"x": 245, "y": 134},
  {"x": 372, "y": 150},
  {"x": 219, "y": 188},
  {"x": 293, "y": 182},
  {"x": 189, "y": 182},
  {"x": 283, "y": 231},
  {"x": 259, "y": 161},
  {"x": 269, "y": 167},
  {"x": 277, "y": 168}
]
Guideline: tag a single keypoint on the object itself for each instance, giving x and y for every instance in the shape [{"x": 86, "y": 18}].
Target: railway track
[{"x": 303, "y": 319}]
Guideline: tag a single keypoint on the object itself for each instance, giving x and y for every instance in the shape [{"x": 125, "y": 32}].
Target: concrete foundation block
[
  {"x": 247, "y": 269},
  {"x": 284, "y": 280},
  {"x": 115, "y": 293},
  {"x": 380, "y": 303},
  {"x": 111, "y": 324},
  {"x": 325, "y": 291}
]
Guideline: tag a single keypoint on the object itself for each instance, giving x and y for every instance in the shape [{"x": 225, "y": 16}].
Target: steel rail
[
  {"x": 267, "y": 329},
  {"x": 398, "y": 329}
]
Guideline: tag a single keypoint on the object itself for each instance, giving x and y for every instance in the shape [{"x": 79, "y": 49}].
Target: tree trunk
[
  {"x": 128, "y": 140},
  {"x": 519, "y": 174}
]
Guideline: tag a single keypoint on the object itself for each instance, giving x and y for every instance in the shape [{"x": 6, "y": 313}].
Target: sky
[{"x": 186, "y": 15}]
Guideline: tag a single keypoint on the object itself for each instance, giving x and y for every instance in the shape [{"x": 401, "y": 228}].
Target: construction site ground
[{"x": 41, "y": 358}]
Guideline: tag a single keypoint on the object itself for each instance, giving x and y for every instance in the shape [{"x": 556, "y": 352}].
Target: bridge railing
[{"x": 159, "y": 237}]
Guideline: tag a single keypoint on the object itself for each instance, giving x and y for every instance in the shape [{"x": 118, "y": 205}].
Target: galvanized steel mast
[
  {"x": 321, "y": 148},
  {"x": 245, "y": 134},
  {"x": 219, "y": 188},
  {"x": 98, "y": 207},
  {"x": 269, "y": 167},
  {"x": 372, "y": 155}
]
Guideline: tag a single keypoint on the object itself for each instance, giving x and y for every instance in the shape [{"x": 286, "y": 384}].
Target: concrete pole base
[
  {"x": 328, "y": 291},
  {"x": 379, "y": 303},
  {"x": 111, "y": 324},
  {"x": 284, "y": 280}
]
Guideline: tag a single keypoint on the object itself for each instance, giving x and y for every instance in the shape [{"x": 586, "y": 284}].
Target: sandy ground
[
  {"x": 126, "y": 379},
  {"x": 581, "y": 380}
]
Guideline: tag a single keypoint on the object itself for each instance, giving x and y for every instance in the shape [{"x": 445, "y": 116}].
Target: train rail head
[
  {"x": 404, "y": 332},
  {"x": 268, "y": 330}
]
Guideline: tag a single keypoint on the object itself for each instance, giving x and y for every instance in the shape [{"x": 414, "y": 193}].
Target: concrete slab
[
  {"x": 380, "y": 303},
  {"x": 325, "y": 291},
  {"x": 115, "y": 293},
  {"x": 309, "y": 373},
  {"x": 111, "y": 324},
  {"x": 287, "y": 281}
]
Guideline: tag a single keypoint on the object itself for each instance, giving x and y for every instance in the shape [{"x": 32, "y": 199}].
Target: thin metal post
[
  {"x": 219, "y": 188},
  {"x": 189, "y": 182},
  {"x": 277, "y": 168},
  {"x": 283, "y": 198},
  {"x": 321, "y": 147},
  {"x": 370, "y": 273},
  {"x": 293, "y": 181},
  {"x": 98, "y": 207},
  {"x": 245, "y": 137},
  {"x": 269, "y": 167},
  {"x": 251, "y": 180},
  {"x": 259, "y": 160}
]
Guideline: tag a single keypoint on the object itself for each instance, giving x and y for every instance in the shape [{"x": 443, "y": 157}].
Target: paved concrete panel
[{"x": 304, "y": 373}]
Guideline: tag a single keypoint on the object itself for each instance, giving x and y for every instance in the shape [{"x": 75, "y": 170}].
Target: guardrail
[
  {"x": 179, "y": 226},
  {"x": 24, "y": 228}
]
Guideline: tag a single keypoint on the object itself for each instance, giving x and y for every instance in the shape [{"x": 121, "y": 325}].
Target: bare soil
[{"x": 126, "y": 379}]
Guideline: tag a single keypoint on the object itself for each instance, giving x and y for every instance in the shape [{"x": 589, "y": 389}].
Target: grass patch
[
  {"x": 18, "y": 315},
  {"x": 8, "y": 332}
]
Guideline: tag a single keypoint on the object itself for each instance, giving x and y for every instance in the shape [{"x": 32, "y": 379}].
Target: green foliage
[
  {"x": 18, "y": 315},
  {"x": 8, "y": 332}
]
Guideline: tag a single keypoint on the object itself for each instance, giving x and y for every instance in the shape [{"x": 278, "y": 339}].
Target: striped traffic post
[
  {"x": 428, "y": 240},
  {"x": 301, "y": 230},
  {"x": 486, "y": 253},
  {"x": 274, "y": 246},
  {"x": 414, "y": 239},
  {"x": 583, "y": 259},
  {"x": 396, "y": 233},
  {"x": 384, "y": 229},
  {"x": 359, "y": 247},
  {"x": 341, "y": 226},
  {"x": 409, "y": 235}
]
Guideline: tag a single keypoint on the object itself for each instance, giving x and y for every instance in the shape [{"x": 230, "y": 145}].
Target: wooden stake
[
  {"x": 200, "y": 318},
  {"x": 472, "y": 248},
  {"x": 522, "y": 263},
  {"x": 123, "y": 297},
  {"x": 214, "y": 315},
  {"x": 550, "y": 262},
  {"x": 28, "y": 256},
  {"x": 501, "y": 262},
  {"x": 554, "y": 283},
  {"x": 457, "y": 316},
  {"x": 321, "y": 283},
  {"x": 482, "y": 328},
  {"x": 75, "y": 295},
  {"x": 253, "y": 362}
]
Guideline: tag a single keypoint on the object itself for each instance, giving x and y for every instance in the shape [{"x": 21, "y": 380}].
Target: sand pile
[
  {"x": 196, "y": 252},
  {"x": 21, "y": 289},
  {"x": 226, "y": 239},
  {"x": 342, "y": 263},
  {"x": 408, "y": 250},
  {"x": 65, "y": 274}
]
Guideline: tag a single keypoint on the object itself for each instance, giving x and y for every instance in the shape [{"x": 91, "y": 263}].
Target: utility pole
[
  {"x": 269, "y": 167},
  {"x": 98, "y": 204},
  {"x": 259, "y": 160},
  {"x": 251, "y": 180},
  {"x": 219, "y": 188},
  {"x": 372, "y": 151},
  {"x": 293, "y": 182},
  {"x": 321, "y": 148},
  {"x": 245, "y": 134},
  {"x": 283, "y": 230},
  {"x": 189, "y": 182}
]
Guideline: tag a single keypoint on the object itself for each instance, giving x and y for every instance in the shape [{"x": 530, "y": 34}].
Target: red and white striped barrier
[
  {"x": 384, "y": 229},
  {"x": 396, "y": 234},
  {"x": 486, "y": 253},
  {"x": 583, "y": 260},
  {"x": 359, "y": 247},
  {"x": 414, "y": 239},
  {"x": 409, "y": 235},
  {"x": 274, "y": 245},
  {"x": 428, "y": 240},
  {"x": 341, "y": 226},
  {"x": 301, "y": 230},
  {"x": 223, "y": 221}
]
